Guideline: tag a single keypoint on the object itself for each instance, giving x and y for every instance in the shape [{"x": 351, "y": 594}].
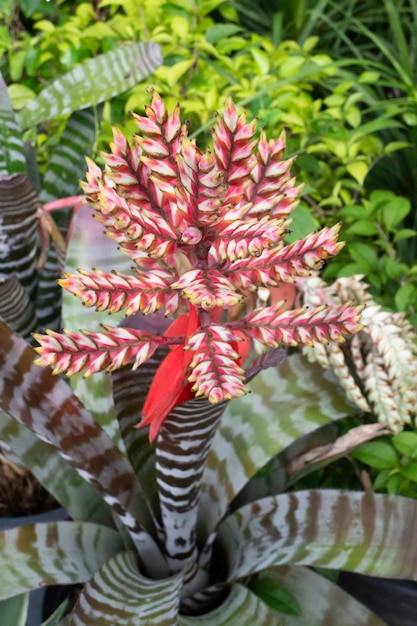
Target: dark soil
[{"x": 20, "y": 493}]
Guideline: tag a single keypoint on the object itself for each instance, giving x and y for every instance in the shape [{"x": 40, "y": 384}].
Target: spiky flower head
[
  {"x": 377, "y": 367},
  {"x": 204, "y": 230}
]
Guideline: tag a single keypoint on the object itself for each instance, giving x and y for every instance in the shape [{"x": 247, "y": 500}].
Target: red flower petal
[{"x": 170, "y": 387}]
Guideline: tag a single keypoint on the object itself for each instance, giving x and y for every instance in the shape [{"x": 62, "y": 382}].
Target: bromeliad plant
[
  {"x": 176, "y": 531},
  {"x": 205, "y": 230}
]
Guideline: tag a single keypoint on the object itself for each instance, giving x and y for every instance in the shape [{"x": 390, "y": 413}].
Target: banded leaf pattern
[
  {"x": 92, "y": 82},
  {"x": 53, "y": 553},
  {"x": 18, "y": 227},
  {"x": 287, "y": 402},
  {"x": 104, "y": 599},
  {"x": 16, "y": 307},
  {"x": 67, "y": 165},
  {"x": 353, "y": 531},
  {"x": 46, "y": 405},
  {"x": 77, "y": 496},
  {"x": 322, "y": 602},
  {"x": 241, "y": 608},
  {"x": 183, "y": 444},
  {"x": 12, "y": 154}
]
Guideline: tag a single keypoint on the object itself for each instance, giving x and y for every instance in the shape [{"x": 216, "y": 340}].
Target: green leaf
[
  {"x": 20, "y": 95},
  {"x": 358, "y": 170},
  {"x": 365, "y": 533},
  {"x": 409, "y": 471},
  {"x": 363, "y": 254},
  {"x": 302, "y": 225},
  {"x": 221, "y": 31},
  {"x": 12, "y": 154},
  {"x": 14, "y": 611},
  {"x": 405, "y": 296},
  {"x": 322, "y": 602},
  {"x": 55, "y": 618},
  {"x": 362, "y": 227},
  {"x": 276, "y": 595},
  {"x": 406, "y": 443},
  {"x": 92, "y": 82},
  {"x": 55, "y": 553},
  {"x": 377, "y": 454},
  {"x": 404, "y": 233},
  {"x": 394, "y": 211}
]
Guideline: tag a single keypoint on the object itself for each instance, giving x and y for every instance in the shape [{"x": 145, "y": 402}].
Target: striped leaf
[
  {"x": 66, "y": 165},
  {"x": 55, "y": 553},
  {"x": 365, "y": 533},
  {"x": 78, "y": 497},
  {"x": 322, "y": 602},
  {"x": 119, "y": 594},
  {"x": 241, "y": 608},
  {"x": 12, "y": 154},
  {"x": 16, "y": 307},
  {"x": 287, "y": 403},
  {"x": 183, "y": 444},
  {"x": 46, "y": 405},
  {"x": 92, "y": 82},
  {"x": 18, "y": 231}
]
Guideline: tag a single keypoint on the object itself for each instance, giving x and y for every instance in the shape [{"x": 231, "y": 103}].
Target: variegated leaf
[
  {"x": 46, "y": 405},
  {"x": 287, "y": 403},
  {"x": 55, "y": 553},
  {"x": 322, "y": 602},
  {"x": 89, "y": 247},
  {"x": 12, "y": 154},
  {"x": 241, "y": 608},
  {"x": 92, "y": 82},
  {"x": 361, "y": 532},
  {"x": 66, "y": 165},
  {"x": 18, "y": 229},
  {"x": 16, "y": 307},
  {"x": 78, "y": 497},
  {"x": 183, "y": 444},
  {"x": 119, "y": 594}
]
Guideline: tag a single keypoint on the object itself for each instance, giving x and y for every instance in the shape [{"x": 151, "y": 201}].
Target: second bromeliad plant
[{"x": 205, "y": 231}]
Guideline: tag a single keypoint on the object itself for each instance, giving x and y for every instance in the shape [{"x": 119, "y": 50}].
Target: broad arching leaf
[
  {"x": 55, "y": 553},
  {"x": 12, "y": 154},
  {"x": 119, "y": 594},
  {"x": 78, "y": 497},
  {"x": 358, "y": 532},
  {"x": 322, "y": 602},
  {"x": 241, "y": 608},
  {"x": 46, "y": 405},
  {"x": 66, "y": 165},
  {"x": 92, "y": 82},
  {"x": 287, "y": 402}
]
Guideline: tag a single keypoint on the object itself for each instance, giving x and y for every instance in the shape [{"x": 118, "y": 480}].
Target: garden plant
[
  {"x": 188, "y": 520},
  {"x": 206, "y": 445}
]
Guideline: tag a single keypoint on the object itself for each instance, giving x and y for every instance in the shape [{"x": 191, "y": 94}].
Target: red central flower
[
  {"x": 205, "y": 230},
  {"x": 170, "y": 386}
]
